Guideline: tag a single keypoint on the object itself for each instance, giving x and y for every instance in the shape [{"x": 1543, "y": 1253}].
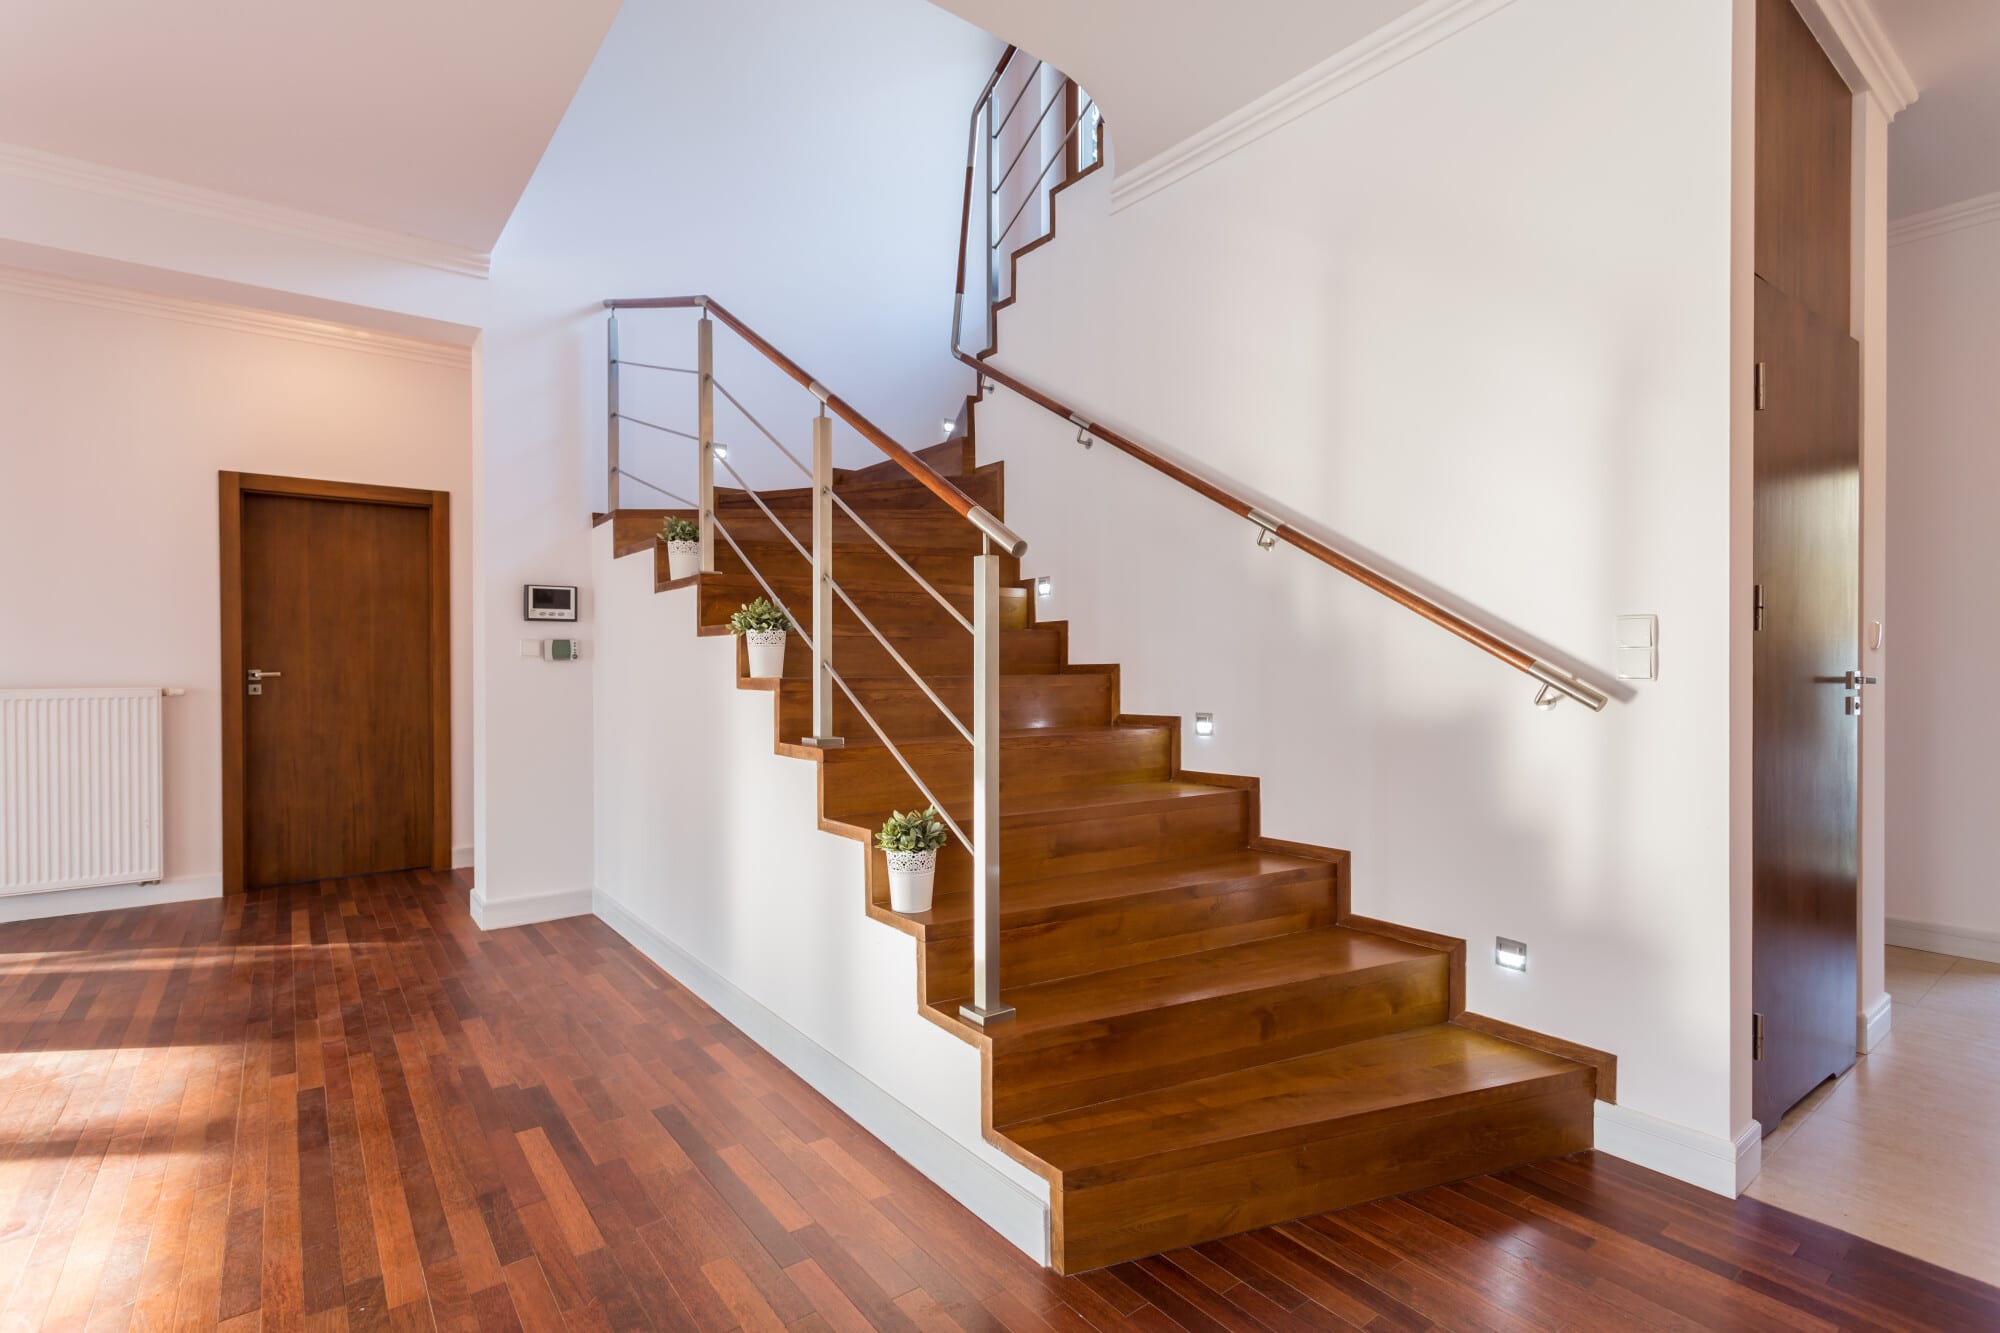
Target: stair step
[
  {"x": 1043, "y": 759},
  {"x": 1093, "y": 829},
  {"x": 865, "y": 562},
  {"x": 898, "y": 610},
  {"x": 1027, "y": 701},
  {"x": 1178, "y": 1164},
  {"x": 1071, "y": 924},
  {"x": 953, "y": 458},
  {"x": 1113, "y": 1033}
]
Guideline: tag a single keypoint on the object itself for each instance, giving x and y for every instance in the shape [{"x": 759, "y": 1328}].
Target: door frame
[{"x": 233, "y": 488}]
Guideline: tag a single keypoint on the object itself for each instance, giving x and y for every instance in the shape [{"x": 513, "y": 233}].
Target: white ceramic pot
[
  {"x": 767, "y": 652},
  {"x": 911, "y": 877},
  {"x": 683, "y": 559}
]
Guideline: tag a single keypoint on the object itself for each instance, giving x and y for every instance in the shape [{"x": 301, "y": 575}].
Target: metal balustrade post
[
  {"x": 822, "y": 590},
  {"x": 992, "y": 221},
  {"x": 611, "y": 414},
  {"x": 986, "y": 1006},
  {"x": 705, "y": 437}
]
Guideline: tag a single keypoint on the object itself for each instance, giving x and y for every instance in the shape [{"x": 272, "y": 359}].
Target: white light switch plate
[{"x": 1637, "y": 643}]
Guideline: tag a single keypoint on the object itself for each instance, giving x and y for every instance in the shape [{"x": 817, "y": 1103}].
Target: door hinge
[
  {"x": 1756, "y": 1036},
  {"x": 1760, "y": 386},
  {"x": 1756, "y": 606}
]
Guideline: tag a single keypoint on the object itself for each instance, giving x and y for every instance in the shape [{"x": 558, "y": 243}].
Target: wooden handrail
[
  {"x": 1551, "y": 677},
  {"x": 932, "y": 480}
]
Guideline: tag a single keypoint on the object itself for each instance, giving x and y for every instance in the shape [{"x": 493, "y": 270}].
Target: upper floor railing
[
  {"x": 992, "y": 112},
  {"x": 996, "y": 540}
]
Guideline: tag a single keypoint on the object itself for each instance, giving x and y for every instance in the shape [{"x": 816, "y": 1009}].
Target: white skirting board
[
  {"x": 1714, "y": 1163},
  {"x": 1958, "y": 941},
  {"x": 109, "y": 898},
  {"x": 500, "y": 913},
  {"x": 1872, "y": 1024},
  {"x": 1020, "y": 1218}
]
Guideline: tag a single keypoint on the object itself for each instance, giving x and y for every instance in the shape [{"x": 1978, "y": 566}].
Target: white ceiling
[
  {"x": 1165, "y": 69},
  {"x": 1945, "y": 147},
  {"x": 422, "y": 117}
]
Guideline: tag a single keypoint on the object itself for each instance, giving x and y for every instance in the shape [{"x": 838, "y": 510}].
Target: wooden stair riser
[
  {"x": 906, "y": 516},
  {"x": 1076, "y": 1065},
  {"x": 1045, "y": 844},
  {"x": 1128, "y": 1219},
  {"x": 866, "y": 564},
  {"x": 1073, "y": 699},
  {"x": 870, "y": 779},
  {"x": 634, "y": 530},
  {"x": 953, "y": 458},
  {"x": 899, "y": 615},
  {"x": 1136, "y": 929}
]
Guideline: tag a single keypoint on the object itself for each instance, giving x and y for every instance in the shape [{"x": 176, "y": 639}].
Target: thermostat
[{"x": 542, "y": 601}]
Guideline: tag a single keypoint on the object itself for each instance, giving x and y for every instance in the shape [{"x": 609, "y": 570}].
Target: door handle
[
  {"x": 1855, "y": 680},
  {"x": 257, "y": 675}
]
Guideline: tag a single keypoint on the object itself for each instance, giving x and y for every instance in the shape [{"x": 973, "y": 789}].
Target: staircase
[{"x": 1206, "y": 1040}]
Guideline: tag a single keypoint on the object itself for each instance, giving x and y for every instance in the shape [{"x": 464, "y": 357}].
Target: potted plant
[
  {"x": 763, "y": 629},
  {"x": 911, "y": 843},
  {"x": 683, "y": 539}
]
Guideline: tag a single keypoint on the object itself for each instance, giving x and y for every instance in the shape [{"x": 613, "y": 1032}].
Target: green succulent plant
[
  {"x": 680, "y": 530},
  {"x": 918, "y": 831},
  {"x": 759, "y": 617}
]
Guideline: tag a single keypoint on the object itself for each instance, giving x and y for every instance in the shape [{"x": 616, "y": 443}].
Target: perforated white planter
[
  {"x": 683, "y": 559},
  {"x": 767, "y": 652},
  {"x": 911, "y": 878}
]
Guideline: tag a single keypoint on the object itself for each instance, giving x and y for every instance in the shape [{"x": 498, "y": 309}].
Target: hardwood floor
[{"x": 345, "y": 1106}]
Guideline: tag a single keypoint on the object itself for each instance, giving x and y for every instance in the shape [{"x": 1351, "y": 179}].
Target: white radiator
[{"x": 80, "y": 780}]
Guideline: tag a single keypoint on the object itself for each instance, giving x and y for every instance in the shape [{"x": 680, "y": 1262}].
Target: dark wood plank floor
[{"x": 345, "y": 1106}]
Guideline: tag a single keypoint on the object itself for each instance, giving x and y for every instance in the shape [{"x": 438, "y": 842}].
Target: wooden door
[
  {"x": 341, "y": 750},
  {"x": 1805, "y": 776},
  {"x": 1805, "y": 773}
]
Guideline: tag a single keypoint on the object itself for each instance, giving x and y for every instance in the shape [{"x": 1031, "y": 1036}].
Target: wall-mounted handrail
[
  {"x": 933, "y": 481},
  {"x": 1555, "y": 683}
]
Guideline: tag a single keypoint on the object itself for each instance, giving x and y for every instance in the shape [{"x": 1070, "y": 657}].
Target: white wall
[
  {"x": 1943, "y": 547},
  {"x": 116, "y": 412},
  {"x": 709, "y": 842},
  {"x": 800, "y": 163},
  {"x": 1454, "y": 320}
]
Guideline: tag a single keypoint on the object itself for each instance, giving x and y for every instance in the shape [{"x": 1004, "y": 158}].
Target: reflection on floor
[{"x": 1903, "y": 1148}]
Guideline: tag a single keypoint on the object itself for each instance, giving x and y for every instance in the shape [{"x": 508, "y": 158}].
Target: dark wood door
[
  {"x": 1805, "y": 775},
  {"x": 338, "y": 760}
]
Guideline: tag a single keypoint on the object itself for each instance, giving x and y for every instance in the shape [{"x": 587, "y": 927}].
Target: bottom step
[{"x": 1190, "y": 1163}]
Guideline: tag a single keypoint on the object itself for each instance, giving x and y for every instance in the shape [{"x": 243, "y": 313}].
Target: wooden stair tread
[
  {"x": 1425, "y": 1071},
  {"x": 1326, "y": 954},
  {"x": 1045, "y": 899}
]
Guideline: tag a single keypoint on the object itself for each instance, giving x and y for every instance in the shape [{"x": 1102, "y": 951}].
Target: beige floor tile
[
  {"x": 1916, "y": 960},
  {"x": 1905, "y": 1149}
]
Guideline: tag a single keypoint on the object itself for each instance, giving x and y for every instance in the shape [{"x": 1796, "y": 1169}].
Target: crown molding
[
  {"x": 236, "y": 319},
  {"x": 71, "y": 173},
  {"x": 1347, "y": 69},
  {"x": 1853, "y": 33},
  {"x": 1983, "y": 210}
]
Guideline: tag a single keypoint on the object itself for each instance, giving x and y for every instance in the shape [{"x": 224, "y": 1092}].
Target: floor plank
[{"x": 344, "y": 1106}]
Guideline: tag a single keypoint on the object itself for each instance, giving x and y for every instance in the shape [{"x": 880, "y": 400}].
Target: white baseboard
[
  {"x": 1958, "y": 941},
  {"x": 1714, "y": 1163},
  {"x": 498, "y": 914},
  {"x": 461, "y": 857},
  {"x": 1872, "y": 1024},
  {"x": 108, "y": 897},
  {"x": 1019, "y": 1217}
]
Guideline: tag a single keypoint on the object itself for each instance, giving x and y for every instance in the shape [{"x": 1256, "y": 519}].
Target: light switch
[
  {"x": 1638, "y": 631},
  {"x": 531, "y": 647}
]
